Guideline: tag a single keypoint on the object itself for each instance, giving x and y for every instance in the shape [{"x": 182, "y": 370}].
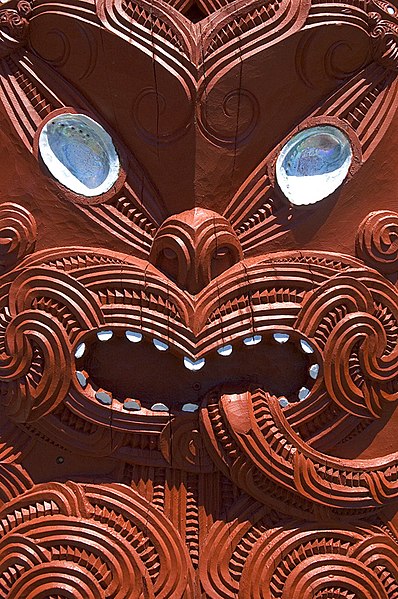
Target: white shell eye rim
[
  {"x": 313, "y": 164},
  {"x": 93, "y": 143}
]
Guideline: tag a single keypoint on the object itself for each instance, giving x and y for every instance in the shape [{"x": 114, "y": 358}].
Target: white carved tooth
[
  {"x": 252, "y": 340},
  {"x": 81, "y": 348},
  {"x": 133, "y": 336},
  {"x": 132, "y": 406},
  {"x": 303, "y": 393},
  {"x": 306, "y": 347},
  {"x": 225, "y": 350},
  {"x": 281, "y": 337},
  {"x": 283, "y": 402},
  {"x": 104, "y": 335},
  {"x": 160, "y": 345},
  {"x": 314, "y": 371},
  {"x": 103, "y": 398},
  {"x": 81, "y": 377},
  {"x": 190, "y": 407},
  {"x": 194, "y": 365},
  {"x": 159, "y": 407}
]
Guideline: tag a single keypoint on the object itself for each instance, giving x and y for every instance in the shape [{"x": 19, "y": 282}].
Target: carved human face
[{"x": 198, "y": 309}]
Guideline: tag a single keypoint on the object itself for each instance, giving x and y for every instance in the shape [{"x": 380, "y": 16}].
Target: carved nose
[{"x": 194, "y": 247}]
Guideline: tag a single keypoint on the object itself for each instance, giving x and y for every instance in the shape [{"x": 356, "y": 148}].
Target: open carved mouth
[{"x": 130, "y": 371}]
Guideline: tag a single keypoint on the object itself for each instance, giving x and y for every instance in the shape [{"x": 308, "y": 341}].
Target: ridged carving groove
[{"x": 198, "y": 375}]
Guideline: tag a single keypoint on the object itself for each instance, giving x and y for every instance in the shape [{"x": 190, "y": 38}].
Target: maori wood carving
[{"x": 198, "y": 363}]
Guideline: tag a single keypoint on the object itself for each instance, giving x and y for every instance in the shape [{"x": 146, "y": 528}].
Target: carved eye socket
[
  {"x": 80, "y": 154},
  {"x": 313, "y": 164}
]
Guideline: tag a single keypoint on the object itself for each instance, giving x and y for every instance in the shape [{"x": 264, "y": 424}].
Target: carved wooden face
[{"x": 198, "y": 308}]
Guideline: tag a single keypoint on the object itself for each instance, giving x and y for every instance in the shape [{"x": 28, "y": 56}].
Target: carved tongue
[{"x": 236, "y": 409}]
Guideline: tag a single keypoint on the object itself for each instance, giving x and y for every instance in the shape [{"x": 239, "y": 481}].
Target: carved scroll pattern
[
  {"x": 90, "y": 542},
  {"x": 133, "y": 540},
  {"x": 347, "y": 312},
  {"x": 377, "y": 240},
  {"x": 297, "y": 561}
]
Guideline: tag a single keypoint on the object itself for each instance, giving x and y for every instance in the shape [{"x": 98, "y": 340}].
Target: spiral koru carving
[
  {"x": 360, "y": 348},
  {"x": 377, "y": 241},
  {"x": 240, "y": 111},
  {"x": 14, "y": 27},
  {"x": 253, "y": 560},
  {"x": 18, "y": 234},
  {"x": 90, "y": 542},
  {"x": 37, "y": 347}
]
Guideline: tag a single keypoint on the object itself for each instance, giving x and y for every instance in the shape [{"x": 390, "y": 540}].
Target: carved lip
[
  {"x": 127, "y": 370},
  {"x": 72, "y": 296}
]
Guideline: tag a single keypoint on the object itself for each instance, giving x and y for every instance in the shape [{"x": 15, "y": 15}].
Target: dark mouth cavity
[{"x": 141, "y": 373}]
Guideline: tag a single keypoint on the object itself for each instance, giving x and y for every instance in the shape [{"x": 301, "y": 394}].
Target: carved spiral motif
[
  {"x": 384, "y": 35},
  {"x": 13, "y": 27},
  {"x": 239, "y": 116},
  {"x": 377, "y": 241},
  {"x": 40, "y": 342},
  {"x": 250, "y": 557},
  {"x": 358, "y": 315},
  {"x": 24, "y": 8},
  {"x": 17, "y": 234},
  {"x": 332, "y": 563},
  {"x": 317, "y": 59},
  {"x": 155, "y": 118},
  {"x": 90, "y": 543}
]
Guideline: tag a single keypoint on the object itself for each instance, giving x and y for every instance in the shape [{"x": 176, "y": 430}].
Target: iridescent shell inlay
[
  {"x": 313, "y": 164},
  {"x": 80, "y": 154}
]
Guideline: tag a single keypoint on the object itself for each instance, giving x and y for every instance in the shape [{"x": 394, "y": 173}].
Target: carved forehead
[{"x": 200, "y": 111}]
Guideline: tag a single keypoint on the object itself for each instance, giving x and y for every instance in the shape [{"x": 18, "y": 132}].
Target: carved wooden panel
[{"x": 198, "y": 362}]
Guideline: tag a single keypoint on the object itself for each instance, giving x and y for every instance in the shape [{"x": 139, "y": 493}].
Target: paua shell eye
[
  {"x": 313, "y": 164},
  {"x": 80, "y": 154}
]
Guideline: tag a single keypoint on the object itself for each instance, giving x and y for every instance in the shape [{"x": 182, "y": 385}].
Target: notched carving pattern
[
  {"x": 259, "y": 560},
  {"x": 90, "y": 542},
  {"x": 383, "y": 20}
]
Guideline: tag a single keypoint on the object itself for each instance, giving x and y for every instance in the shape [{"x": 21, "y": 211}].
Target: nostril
[
  {"x": 221, "y": 253},
  {"x": 169, "y": 254},
  {"x": 167, "y": 262},
  {"x": 223, "y": 258}
]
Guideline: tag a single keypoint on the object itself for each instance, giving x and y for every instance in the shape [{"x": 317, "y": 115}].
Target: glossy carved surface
[{"x": 198, "y": 377}]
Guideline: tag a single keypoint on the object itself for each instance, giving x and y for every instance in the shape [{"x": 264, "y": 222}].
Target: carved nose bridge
[{"x": 194, "y": 247}]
